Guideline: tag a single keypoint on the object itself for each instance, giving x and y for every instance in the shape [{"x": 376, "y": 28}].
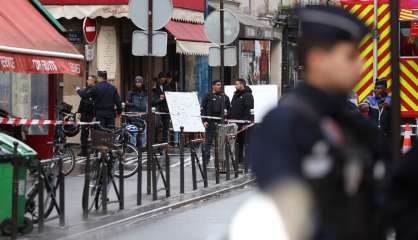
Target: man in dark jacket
[
  {"x": 86, "y": 111},
  {"x": 212, "y": 107},
  {"x": 106, "y": 98},
  {"x": 241, "y": 106},
  {"x": 160, "y": 103},
  {"x": 137, "y": 101}
]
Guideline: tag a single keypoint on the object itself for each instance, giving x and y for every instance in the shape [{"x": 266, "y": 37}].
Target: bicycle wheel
[
  {"x": 68, "y": 157},
  {"x": 95, "y": 182},
  {"x": 129, "y": 158},
  {"x": 32, "y": 202}
]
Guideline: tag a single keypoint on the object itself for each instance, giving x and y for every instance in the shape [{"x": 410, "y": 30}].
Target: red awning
[
  {"x": 197, "y": 5},
  {"x": 187, "y": 31},
  {"x": 29, "y": 43}
]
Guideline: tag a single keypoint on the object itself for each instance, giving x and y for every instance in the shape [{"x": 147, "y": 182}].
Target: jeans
[
  {"x": 210, "y": 133},
  {"x": 162, "y": 121},
  {"x": 84, "y": 136}
]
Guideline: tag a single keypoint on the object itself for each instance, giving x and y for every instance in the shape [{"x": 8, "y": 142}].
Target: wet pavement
[
  {"x": 207, "y": 220},
  {"x": 75, "y": 223}
]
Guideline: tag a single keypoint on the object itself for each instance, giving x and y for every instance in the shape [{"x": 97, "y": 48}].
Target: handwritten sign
[
  {"x": 185, "y": 111},
  {"x": 106, "y": 51},
  {"x": 266, "y": 98}
]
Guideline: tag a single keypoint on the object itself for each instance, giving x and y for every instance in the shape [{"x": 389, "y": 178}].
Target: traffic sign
[
  {"x": 161, "y": 13},
  {"x": 89, "y": 30},
  {"x": 230, "y": 56},
  {"x": 213, "y": 28},
  {"x": 140, "y": 43}
]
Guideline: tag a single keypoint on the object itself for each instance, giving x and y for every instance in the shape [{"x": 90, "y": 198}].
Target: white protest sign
[
  {"x": 266, "y": 98},
  {"x": 185, "y": 111}
]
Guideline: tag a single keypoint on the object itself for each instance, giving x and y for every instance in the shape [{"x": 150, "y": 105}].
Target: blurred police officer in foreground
[
  {"x": 378, "y": 107},
  {"x": 311, "y": 138},
  {"x": 212, "y": 107},
  {"x": 86, "y": 111},
  {"x": 106, "y": 100}
]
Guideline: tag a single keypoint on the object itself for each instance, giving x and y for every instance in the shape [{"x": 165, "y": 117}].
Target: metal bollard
[
  {"x": 86, "y": 189},
  {"x": 167, "y": 174},
  {"x": 121, "y": 185},
  {"x": 154, "y": 178},
  {"x": 181, "y": 159},
  {"x": 205, "y": 170},
  {"x": 194, "y": 171},
  {"x": 41, "y": 206},
  {"x": 61, "y": 178},
  {"x": 15, "y": 191},
  {"x": 104, "y": 186},
  {"x": 227, "y": 165},
  {"x": 216, "y": 157},
  {"x": 139, "y": 177}
]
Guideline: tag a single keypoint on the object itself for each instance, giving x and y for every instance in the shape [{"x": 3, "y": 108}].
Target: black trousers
[
  {"x": 106, "y": 121},
  {"x": 85, "y": 131}
]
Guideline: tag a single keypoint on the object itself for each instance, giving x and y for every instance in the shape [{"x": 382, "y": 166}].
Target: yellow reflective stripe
[
  {"x": 355, "y": 8},
  {"x": 385, "y": 32},
  {"x": 409, "y": 74},
  {"x": 386, "y": 72},
  {"x": 408, "y": 101},
  {"x": 365, "y": 93},
  {"x": 365, "y": 11},
  {"x": 414, "y": 65},
  {"x": 383, "y": 61},
  {"x": 382, "y": 8},
  {"x": 366, "y": 51},
  {"x": 365, "y": 39}
]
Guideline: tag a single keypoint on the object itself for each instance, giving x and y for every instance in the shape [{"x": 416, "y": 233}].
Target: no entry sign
[{"x": 89, "y": 30}]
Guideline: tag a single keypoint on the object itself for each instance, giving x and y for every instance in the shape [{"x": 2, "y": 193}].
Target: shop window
[
  {"x": 254, "y": 61},
  {"x": 25, "y": 96},
  {"x": 409, "y": 39}
]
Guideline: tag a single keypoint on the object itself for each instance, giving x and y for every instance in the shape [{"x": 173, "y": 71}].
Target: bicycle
[
  {"x": 60, "y": 147},
  {"x": 48, "y": 172},
  {"x": 106, "y": 158}
]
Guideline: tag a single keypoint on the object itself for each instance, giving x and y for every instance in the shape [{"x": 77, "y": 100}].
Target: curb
[{"x": 161, "y": 209}]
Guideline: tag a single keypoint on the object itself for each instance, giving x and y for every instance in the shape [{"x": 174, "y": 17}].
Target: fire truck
[{"x": 376, "y": 50}]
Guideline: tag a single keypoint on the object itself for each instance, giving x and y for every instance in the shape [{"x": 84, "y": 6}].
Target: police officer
[
  {"x": 241, "y": 105},
  {"x": 106, "y": 98},
  {"x": 86, "y": 111},
  {"x": 160, "y": 103},
  {"x": 309, "y": 137},
  {"x": 377, "y": 107},
  {"x": 212, "y": 107}
]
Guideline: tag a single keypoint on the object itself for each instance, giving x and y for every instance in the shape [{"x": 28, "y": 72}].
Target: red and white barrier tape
[
  {"x": 140, "y": 114},
  {"x": 30, "y": 122}
]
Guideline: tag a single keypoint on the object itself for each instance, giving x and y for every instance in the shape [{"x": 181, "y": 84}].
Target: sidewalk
[{"x": 76, "y": 224}]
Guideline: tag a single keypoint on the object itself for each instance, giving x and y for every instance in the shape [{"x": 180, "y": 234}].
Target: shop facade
[{"x": 33, "y": 62}]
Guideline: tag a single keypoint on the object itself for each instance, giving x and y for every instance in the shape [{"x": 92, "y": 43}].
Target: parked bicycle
[{"x": 102, "y": 173}]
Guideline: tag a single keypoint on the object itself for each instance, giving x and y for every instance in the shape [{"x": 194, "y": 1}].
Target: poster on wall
[
  {"x": 185, "y": 111},
  {"x": 266, "y": 98},
  {"x": 107, "y": 51}
]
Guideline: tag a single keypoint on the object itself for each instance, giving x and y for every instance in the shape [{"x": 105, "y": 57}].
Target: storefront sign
[
  {"x": 414, "y": 29},
  {"x": 10, "y": 62},
  {"x": 107, "y": 51},
  {"x": 74, "y": 37}
]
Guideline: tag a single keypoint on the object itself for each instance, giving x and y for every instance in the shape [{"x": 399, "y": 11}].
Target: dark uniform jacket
[
  {"x": 212, "y": 105},
  {"x": 241, "y": 104},
  {"x": 403, "y": 196},
  {"x": 86, "y": 108},
  {"x": 105, "y": 97},
  {"x": 137, "y": 101},
  {"x": 160, "y": 105},
  {"x": 312, "y": 145}
]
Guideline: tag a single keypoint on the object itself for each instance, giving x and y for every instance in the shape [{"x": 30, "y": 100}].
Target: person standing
[
  {"x": 107, "y": 103},
  {"x": 137, "y": 101},
  {"x": 160, "y": 103},
  {"x": 212, "y": 107},
  {"x": 241, "y": 106},
  {"x": 86, "y": 111},
  {"x": 310, "y": 138},
  {"x": 377, "y": 107}
]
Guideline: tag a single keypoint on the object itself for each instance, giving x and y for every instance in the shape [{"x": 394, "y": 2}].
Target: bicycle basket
[{"x": 102, "y": 139}]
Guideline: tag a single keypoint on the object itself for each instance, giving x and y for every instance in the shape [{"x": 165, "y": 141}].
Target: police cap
[
  {"x": 381, "y": 82},
  {"x": 331, "y": 24}
]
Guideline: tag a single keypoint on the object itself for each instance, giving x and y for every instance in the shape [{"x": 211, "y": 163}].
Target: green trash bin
[{"x": 6, "y": 184}]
